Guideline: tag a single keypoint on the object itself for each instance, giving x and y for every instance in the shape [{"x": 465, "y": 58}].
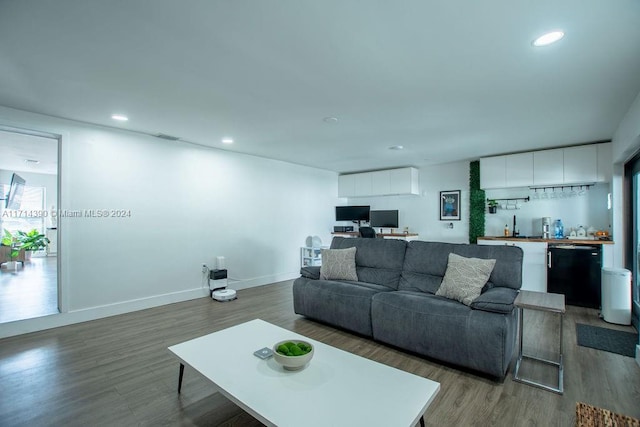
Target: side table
[{"x": 541, "y": 301}]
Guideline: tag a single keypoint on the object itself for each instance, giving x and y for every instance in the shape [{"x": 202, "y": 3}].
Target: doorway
[
  {"x": 29, "y": 184},
  {"x": 632, "y": 178}
]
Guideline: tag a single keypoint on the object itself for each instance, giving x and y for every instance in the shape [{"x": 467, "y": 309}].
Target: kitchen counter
[{"x": 556, "y": 241}]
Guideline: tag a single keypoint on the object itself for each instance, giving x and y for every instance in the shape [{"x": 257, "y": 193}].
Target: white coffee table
[{"x": 337, "y": 388}]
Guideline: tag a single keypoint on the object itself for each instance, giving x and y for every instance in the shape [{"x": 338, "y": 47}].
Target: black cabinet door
[{"x": 575, "y": 273}]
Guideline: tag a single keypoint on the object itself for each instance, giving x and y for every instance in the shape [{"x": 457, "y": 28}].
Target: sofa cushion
[
  {"x": 496, "y": 300},
  {"x": 338, "y": 264},
  {"x": 465, "y": 277},
  {"x": 310, "y": 272},
  {"x": 425, "y": 264},
  {"x": 378, "y": 261},
  {"x": 343, "y": 304},
  {"x": 445, "y": 330}
]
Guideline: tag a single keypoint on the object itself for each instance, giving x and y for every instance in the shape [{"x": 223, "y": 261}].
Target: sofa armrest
[
  {"x": 310, "y": 272},
  {"x": 496, "y": 300}
]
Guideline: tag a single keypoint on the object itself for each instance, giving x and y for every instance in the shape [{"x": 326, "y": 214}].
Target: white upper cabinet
[
  {"x": 548, "y": 167},
  {"x": 493, "y": 172},
  {"x": 364, "y": 184},
  {"x": 404, "y": 181},
  {"x": 379, "y": 183},
  {"x": 513, "y": 170},
  {"x": 605, "y": 162},
  {"x": 580, "y": 164},
  {"x": 346, "y": 185},
  {"x": 519, "y": 170}
]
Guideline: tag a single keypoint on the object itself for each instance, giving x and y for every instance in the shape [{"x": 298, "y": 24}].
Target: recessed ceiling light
[
  {"x": 330, "y": 120},
  {"x": 119, "y": 117},
  {"x": 227, "y": 140},
  {"x": 396, "y": 147},
  {"x": 548, "y": 38},
  {"x": 32, "y": 161}
]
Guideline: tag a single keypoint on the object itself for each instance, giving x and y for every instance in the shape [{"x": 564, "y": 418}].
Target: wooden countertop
[
  {"x": 357, "y": 234},
  {"x": 557, "y": 241}
]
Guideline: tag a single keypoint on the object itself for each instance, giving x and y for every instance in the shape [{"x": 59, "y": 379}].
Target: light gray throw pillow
[
  {"x": 465, "y": 277},
  {"x": 338, "y": 264}
]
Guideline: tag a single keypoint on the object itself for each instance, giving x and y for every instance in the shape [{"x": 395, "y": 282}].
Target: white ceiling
[
  {"x": 17, "y": 149},
  {"x": 448, "y": 80}
]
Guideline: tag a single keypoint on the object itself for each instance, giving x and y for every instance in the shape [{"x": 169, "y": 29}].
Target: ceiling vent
[{"x": 167, "y": 137}]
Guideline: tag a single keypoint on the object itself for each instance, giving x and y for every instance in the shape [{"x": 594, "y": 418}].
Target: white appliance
[
  {"x": 546, "y": 227},
  {"x": 223, "y": 295},
  {"x": 616, "y": 295}
]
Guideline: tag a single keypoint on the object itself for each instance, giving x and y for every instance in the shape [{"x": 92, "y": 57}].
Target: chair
[{"x": 367, "y": 232}]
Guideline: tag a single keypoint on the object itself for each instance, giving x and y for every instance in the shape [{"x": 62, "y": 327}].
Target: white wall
[
  {"x": 590, "y": 209},
  {"x": 188, "y": 205},
  {"x": 421, "y": 213}
]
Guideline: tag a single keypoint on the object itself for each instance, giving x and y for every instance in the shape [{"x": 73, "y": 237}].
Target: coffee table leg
[
  {"x": 422, "y": 421},
  {"x": 180, "y": 377}
]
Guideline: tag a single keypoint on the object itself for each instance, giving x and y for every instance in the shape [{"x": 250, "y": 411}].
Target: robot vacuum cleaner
[{"x": 223, "y": 295}]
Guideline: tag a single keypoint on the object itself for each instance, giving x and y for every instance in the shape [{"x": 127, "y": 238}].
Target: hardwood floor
[
  {"x": 30, "y": 291},
  {"x": 118, "y": 372}
]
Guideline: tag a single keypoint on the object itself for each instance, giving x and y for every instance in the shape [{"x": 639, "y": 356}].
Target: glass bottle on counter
[{"x": 558, "y": 229}]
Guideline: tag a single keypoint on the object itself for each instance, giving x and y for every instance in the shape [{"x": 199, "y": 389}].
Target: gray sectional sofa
[{"x": 394, "y": 302}]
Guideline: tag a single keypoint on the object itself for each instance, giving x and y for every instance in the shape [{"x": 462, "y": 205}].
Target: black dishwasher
[{"x": 574, "y": 270}]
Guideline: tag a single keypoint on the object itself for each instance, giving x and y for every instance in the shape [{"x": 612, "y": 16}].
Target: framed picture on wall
[{"x": 450, "y": 205}]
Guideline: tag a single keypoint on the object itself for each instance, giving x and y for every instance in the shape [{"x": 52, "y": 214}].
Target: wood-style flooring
[
  {"x": 117, "y": 371},
  {"x": 30, "y": 290}
]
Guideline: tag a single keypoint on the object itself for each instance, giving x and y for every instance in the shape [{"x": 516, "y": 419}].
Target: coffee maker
[{"x": 546, "y": 227}]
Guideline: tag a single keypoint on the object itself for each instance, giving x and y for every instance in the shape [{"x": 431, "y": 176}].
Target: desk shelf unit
[{"x": 311, "y": 257}]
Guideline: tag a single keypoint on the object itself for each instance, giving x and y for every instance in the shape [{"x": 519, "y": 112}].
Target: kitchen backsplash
[{"x": 582, "y": 208}]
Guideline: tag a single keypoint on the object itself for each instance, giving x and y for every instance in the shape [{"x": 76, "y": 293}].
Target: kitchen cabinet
[
  {"x": 548, "y": 167},
  {"x": 580, "y": 164},
  {"x": 534, "y": 262},
  {"x": 379, "y": 183},
  {"x": 560, "y": 166},
  {"x": 519, "y": 170},
  {"x": 513, "y": 170},
  {"x": 605, "y": 162},
  {"x": 493, "y": 172}
]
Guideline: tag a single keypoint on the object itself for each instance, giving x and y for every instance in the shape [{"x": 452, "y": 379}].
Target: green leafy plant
[
  {"x": 492, "y": 203},
  {"x": 32, "y": 240},
  {"x": 476, "y": 203},
  {"x": 12, "y": 241}
]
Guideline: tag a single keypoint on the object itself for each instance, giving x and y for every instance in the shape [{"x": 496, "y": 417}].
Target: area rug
[
  {"x": 610, "y": 340},
  {"x": 591, "y": 416}
]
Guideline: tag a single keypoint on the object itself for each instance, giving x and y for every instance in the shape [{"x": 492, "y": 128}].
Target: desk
[
  {"x": 403, "y": 236},
  {"x": 542, "y": 301}
]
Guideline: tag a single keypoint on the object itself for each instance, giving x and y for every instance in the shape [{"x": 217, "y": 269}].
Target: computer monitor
[
  {"x": 387, "y": 219},
  {"x": 352, "y": 213}
]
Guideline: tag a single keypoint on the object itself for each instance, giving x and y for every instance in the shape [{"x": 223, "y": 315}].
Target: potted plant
[
  {"x": 493, "y": 205},
  {"x": 13, "y": 249},
  {"x": 32, "y": 241}
]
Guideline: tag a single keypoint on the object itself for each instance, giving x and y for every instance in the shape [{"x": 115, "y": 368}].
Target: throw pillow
[
  {"x": 465, "y": 277},
  {"x": 338, "y": 264}
]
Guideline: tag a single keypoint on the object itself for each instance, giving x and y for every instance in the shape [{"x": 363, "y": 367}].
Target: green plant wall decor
[{"x": 476, "y": 203}]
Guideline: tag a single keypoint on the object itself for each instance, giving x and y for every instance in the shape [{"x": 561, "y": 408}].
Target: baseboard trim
[
  {"x": 238, "y": 284},
  {"x": 63, "y": 319},
  {"x": 20, "y": 327}
]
